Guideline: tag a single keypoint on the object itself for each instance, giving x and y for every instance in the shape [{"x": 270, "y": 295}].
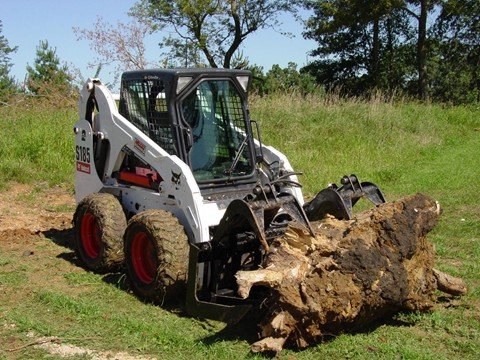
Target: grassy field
[
  {"x": 403, "y": 147},
  {"x": 36, "y": 144}
]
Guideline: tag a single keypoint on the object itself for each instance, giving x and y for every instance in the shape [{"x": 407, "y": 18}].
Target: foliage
[
  {"x": 456, "y": 59},
  {"x": 281, "y": 80},
  {"x": 214, "y": 28},
  {"x": 356, "y": 42},
  {"x": 47, "y": 74},
  {"x": 390, "y": 45},
  {"x": 7, "y": 83}
]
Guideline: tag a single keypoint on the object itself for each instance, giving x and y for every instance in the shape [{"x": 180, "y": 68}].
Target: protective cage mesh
[
  {"x": 144, "y": 104},
  {"x": 215, "y": 113}
]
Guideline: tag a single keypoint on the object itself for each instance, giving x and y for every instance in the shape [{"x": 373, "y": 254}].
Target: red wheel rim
[
  {"x": 90, "y": 236},
  {"x": 143, "y": 258}
]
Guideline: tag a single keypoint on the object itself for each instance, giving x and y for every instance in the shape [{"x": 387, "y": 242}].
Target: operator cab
[{"x": 199, "y": 115}]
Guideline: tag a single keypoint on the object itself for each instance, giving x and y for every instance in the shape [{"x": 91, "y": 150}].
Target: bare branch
[
  {"x": 410, "y": 12},
  {"x": 122, "y": 45}
]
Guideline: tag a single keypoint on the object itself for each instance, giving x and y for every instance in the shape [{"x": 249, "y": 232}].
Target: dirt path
[{"x": 27, "y": 210}]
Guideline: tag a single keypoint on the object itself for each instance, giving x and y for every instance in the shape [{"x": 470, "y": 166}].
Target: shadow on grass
[
  {"x": 245, "y": 330},
  {"x": 248, "y": 330},
  {"x": 72, "y": 259},
  {"x": 64, "y": 238}
]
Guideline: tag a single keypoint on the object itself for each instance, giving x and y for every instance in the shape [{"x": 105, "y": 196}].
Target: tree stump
[{"x": 350, "y": 274}]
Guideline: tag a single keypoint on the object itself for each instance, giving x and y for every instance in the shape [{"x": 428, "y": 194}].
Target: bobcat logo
[
  {"x": 84, "y": 135},
  {"x": 176, "y": 178}
]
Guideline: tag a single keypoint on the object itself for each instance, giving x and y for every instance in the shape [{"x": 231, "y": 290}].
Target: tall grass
[
  {"x": 36, "y": 144},
  {"x": 324, "y": 136},
  {"x": 384, "y": 142}
]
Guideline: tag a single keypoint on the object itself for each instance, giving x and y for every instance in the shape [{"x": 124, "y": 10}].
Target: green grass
[
  {"x": 403, "y": 147},
  {"x": 382, "y": 142},
  {"x": 36, "y": 144}
]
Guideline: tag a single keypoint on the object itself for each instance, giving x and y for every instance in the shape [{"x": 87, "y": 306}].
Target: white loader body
[{"x": 178, "y": 191}]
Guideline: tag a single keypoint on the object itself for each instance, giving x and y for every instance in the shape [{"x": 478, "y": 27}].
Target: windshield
[{"x": 214, "y": 111}]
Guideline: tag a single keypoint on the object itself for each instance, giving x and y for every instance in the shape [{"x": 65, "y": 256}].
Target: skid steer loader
[{"x": 173, "y": 186}]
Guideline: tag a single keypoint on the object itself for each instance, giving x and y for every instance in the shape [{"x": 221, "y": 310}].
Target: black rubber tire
[
  {"x": 102, "y": 218},
  {"x": 167, "y": 248}
]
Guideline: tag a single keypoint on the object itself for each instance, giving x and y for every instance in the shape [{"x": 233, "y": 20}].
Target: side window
[
  {"x": 144, "y": 104},
  {"x": 133, "y": 106}
]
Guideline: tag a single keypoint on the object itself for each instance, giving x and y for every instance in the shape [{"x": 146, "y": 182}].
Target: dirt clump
[{"x": 349, "y": 275}]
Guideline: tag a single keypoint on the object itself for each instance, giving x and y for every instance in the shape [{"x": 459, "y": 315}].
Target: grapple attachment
[
  {"x": 339, "y": 201},
  {"x": 242, "y": 238},
  {"x": 239, "y": 242}
]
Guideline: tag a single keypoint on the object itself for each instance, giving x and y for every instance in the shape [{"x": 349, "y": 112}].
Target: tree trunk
[
  {"x": 422, "y": 51},
  {"x": 237, "y": 38},
  {"x": 197, "y": 30},
  {"x": 350, "y": 274},
  {"x": 390, "y": 84},
  {"x": 375, "y": 65},
  {"x": 210, "y": 58}
]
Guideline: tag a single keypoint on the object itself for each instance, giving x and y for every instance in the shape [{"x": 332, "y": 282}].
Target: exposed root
[{"x": 449, "y": 284}]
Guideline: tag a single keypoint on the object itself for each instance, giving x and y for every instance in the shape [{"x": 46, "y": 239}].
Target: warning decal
[
  {"x": 83, "y": 167},
  {"x": 140, "y": 146}
]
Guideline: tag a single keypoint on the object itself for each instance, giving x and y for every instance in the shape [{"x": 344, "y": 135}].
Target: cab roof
[{"x": 170, "y": 74}]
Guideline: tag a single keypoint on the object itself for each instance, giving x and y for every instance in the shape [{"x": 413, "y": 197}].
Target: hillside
[{"x": 403, "y": 147}]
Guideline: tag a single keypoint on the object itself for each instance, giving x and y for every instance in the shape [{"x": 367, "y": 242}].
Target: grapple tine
[
  {"x": 373, "y": 193},
  {"x": 327, "y": 201},
  {"x": 339, "y": 201}
]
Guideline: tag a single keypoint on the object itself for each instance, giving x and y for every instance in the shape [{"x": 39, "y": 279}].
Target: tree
[
  {"x": 288, "y": 79},
  {"x": 122, "y": 45},
  {"x": 47, "y": 74},
  {"x": 457, "y": 52},
  {"x": 363, "y": 44},
  {"x": 354, "y": 36},
  {"x": 258, "y": 85},
  {"x": 421, "y": 16},
  {"x": 7, "y": 83},
  {"x": 217, "y": 28}
]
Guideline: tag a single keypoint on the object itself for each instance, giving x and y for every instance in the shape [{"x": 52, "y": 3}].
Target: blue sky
[{"x": 26, "y": 22}]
